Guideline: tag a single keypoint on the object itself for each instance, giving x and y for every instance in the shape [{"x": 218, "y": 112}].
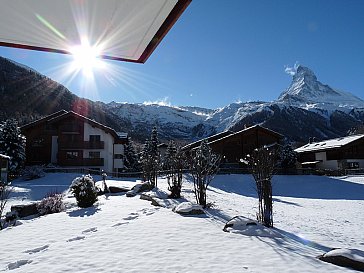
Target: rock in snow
[
  {"x": 352, "y": 258},
  {"x": 187, "y": 208}
]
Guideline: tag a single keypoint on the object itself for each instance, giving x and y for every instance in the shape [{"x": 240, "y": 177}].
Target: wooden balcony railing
[{"x": 82, "y": 162}]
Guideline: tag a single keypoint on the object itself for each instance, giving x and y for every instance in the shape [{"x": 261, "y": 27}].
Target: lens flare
[{"x": 86, "y": 58}]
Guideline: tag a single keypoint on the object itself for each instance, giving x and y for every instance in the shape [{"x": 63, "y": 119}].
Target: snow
[
  {"x": 312, "y": 215},
  {"x": 329, "y": 144},
  {"x": 186, "y": 207},
  {"x": 4, "y": 156},
  {"x": 352, "y": 254}
]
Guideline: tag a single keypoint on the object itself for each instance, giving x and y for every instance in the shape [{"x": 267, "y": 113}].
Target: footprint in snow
[
  {"x": 76, "y": 238},
  {"x": 94, "y": 229},
  {"x": 18, "y": 264},
  {"x": 120, "y": 224},
  {"x": 148, "y": 211},
  {"x": 131, "y": 217},
  {"x": 36, "y": 250}
]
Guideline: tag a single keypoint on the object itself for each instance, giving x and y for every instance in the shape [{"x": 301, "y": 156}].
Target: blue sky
[{"x": 221, "y": 52}]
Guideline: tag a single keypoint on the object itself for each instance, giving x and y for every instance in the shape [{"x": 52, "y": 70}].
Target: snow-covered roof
[
  {"x": 4, "y": 156},
  {"x": 127, "y": 30},
  {"x": 122, "y": 135},
  {"x": 329, "y": 144}
]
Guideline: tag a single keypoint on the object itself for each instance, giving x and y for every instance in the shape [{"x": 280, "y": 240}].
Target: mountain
[
  {"x": 307, "y": 108},
  {"x": 173, "y": 122},
  {"x": 306, "y": 89},
  {"x": 27, "y": 95}
]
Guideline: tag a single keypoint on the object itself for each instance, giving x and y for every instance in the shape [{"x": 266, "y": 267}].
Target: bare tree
[
  {"x": 5, "y": 190},
  {"x": 262, "y": 163},
  {"x": 204, "y": 165}
]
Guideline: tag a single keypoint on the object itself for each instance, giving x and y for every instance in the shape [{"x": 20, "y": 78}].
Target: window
[
  {"x": 118, "y": 156},
  {"x": 72, "y": 155},
  {"x": 71, "y": 138},
  {"x": 94, "y": 154},
  {"x": 95, "y": 138},
  {"x": 353, "y": 165},
  {"x": 4, "y": 163}
]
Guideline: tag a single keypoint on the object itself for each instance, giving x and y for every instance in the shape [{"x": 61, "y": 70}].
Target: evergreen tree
[
  {"x": 155, "y": 156},
  {"x": 150, "y": 158},
  {"x": 174, "y": 163},
  {"x": 12, "y": 144},
  {"x": 146, "y": 162},
  {"x": 131, "y": 159},
  {"x": 287, "y": 157}
]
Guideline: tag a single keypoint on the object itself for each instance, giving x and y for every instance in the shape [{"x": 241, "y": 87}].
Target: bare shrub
[
  {"x": 52, "y": 203},
  {"x": 204, "y": 165},
  {"x": 5, "y": 191},
  {"x": 262, "y": 163}
]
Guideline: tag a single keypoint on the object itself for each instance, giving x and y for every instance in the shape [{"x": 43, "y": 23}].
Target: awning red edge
[
  {"x": 162, "y": 31},
  {"x": 176, "y": 12}
]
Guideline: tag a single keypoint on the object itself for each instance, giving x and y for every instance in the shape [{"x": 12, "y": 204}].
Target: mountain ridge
[{"x": 306, "y": 108}]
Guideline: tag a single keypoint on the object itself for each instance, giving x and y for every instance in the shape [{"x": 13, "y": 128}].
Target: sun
[{"x": 86, "y": 58}]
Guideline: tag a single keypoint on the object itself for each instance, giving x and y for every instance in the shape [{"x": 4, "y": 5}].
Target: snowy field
[{"x": 312, "y": 215}]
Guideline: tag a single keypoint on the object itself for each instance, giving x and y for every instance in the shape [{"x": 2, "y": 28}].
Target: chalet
[
  {"x": 233, "y": 146},
  {"x": 334, "y": 154},
  {"x": 68, "y": 139},
  {"x": 4, "y": 162}
]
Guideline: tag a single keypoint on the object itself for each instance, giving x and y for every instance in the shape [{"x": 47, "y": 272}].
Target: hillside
[{"x": 27, "y": 95}]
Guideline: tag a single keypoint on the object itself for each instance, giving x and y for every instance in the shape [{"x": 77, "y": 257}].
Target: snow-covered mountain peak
[
  {"x": 304, "y": 72},
  {"x": 306, "y": 89}
]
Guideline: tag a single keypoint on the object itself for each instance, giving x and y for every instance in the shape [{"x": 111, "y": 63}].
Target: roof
[
  {"x": 209, "y": 139},
  {"x": 311, "y": 162},
  {"x": 329, "y": 144},
  {"x": 64, "y": 114},
  {"x": 122, "y": 135},
  {"x": 247, "y": 130},
  {"x": 227, "y": 134},
  {"x": 126, "y": 30},
  {"x": 44, "y": 119},
  {"x": 4, "y": 156}
]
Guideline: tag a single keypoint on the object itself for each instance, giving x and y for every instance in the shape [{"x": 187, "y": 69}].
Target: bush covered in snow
[
  {"x": 5, "y": 190},
  {"x": 85, "y": 191},
  {"x": 32, "y": 172},
  {"x": 12, "y": 144},
  {"x": 52, "y": 203}
]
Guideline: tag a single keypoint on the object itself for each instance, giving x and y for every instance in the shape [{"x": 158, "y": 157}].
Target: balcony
[
  {"x": 83, "y": 162},
  {"x": 64, "y": 145}
]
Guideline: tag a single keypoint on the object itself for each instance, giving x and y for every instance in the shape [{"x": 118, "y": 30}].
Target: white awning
[{"x": 127, "y": 30}]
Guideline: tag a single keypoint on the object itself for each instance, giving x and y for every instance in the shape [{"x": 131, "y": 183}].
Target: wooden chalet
[
  {"x": 68, "y": 139},
  {"x": 234, "y": 146}
]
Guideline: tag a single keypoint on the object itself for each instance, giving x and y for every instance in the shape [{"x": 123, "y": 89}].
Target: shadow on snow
[{"x": 298, "y": 186}]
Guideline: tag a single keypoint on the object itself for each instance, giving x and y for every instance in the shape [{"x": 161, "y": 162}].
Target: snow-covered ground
[{"x": 312, "y": 214}]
